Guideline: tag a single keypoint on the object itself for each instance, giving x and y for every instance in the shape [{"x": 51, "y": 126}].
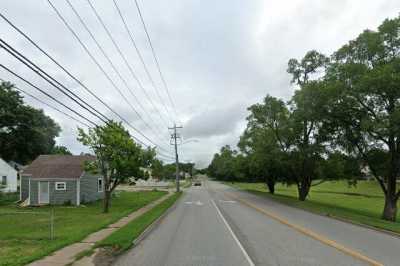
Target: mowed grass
[
  {"x": 24, "y": 232},
  {"x": 122, "y": 239},
  {"x": 362, "y": 204}
]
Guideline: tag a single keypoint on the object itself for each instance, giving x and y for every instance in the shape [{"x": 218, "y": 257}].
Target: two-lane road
[{"x": 217, "y": 225}]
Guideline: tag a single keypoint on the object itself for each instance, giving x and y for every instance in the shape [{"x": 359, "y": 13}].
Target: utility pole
[{"x": 174, "y": 137}]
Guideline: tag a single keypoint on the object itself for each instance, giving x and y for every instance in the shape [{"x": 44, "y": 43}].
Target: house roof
[
  {"x": 4, "y": 166},
  {"x": 16, "y": 165},
  {"x": 58, "y": 166}
]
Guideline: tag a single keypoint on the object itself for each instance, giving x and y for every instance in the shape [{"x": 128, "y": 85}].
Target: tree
[
  {"x": 157, "y": 169},
  {"x": 364, "y": 77},
  {"x": 118, "y": 157},
  {"x": 307, "y": 127},
  {"x": 60, "y": 150},
  {"x": 263, "y": 154},
  {"x": 169, "y": 171},
  {"x": 222, "y": 165},
  {"x": 25, "y": 132}
]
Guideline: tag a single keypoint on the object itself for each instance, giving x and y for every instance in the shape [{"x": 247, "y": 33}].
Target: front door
[{"x": 43, "y": 192}]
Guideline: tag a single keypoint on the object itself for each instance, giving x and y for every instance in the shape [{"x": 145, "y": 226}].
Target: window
[
  {"x": 61, "y": 186},
  {"x": 4, "y": 180},
  {"x": 100, "y": 185}
]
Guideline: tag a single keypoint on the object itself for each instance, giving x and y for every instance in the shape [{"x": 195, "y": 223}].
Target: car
[{"x": 197, "y": 183}]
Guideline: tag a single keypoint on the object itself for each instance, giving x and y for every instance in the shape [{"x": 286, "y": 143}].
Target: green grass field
[
  {"x": 361, "y": 204},
  {"x": 24, "y": 232},
  {"x": 122, "y": 239}
]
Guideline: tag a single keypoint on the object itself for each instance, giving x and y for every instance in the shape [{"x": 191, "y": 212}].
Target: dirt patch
[{"x": 105, "y": 256}]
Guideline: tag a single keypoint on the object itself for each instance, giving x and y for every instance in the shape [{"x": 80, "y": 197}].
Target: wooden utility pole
[{"x": 174, "y": 137}]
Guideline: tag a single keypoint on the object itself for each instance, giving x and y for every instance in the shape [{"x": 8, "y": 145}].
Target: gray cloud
[{"x": 214, "y": 121}]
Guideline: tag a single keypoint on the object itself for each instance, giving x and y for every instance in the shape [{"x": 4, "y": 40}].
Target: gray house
[{"x": 60, "y": 179}]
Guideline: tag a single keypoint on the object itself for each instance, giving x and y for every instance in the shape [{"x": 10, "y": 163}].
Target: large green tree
[
  {"x": 265, "y": 158},
  {"x": 364, "y": 76},
  {"x": 118, "y": 157},
  {"x": 308, "y": 135},
  {"x": 25, "y": 132},
  {"x": 222, "y": 165}
]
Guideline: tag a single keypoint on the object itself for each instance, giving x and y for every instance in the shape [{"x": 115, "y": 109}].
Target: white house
[{"x": 8, "y": 177}]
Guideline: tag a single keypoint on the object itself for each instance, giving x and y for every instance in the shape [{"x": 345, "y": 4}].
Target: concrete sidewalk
[{"x": 67, "y": 254}]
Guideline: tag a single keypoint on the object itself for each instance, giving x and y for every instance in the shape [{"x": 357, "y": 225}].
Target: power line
[
  {"x": 132, "y": 40},
  {"x": 113, "y": 67},
  {"x": 102, "y": 70},
  {"x": 48, "y": 105},
  {"x": 72, "y": 76},
  {"x": 59, "y": 102},
  {"x": 51, "y": 83},
  {"x": 56, "y": 62},
  {"x": 75, "y": 112},
  {"x": 155, "y": 58},
  {"x": 45, "y": 93},
  {"x": 43, "y": 74},
  {"x": 124, "y": 59}
]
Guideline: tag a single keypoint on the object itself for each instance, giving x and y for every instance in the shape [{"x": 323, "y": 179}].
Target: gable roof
[
  {"x": 58, "y": 166},
  {"x": 4, "y": 166},
  {"x": 16, "y": 166}
]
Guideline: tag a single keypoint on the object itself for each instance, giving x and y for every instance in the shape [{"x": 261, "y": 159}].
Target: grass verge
[
  {"x": 24, "y": 232},
  {"x": 362, "y": 204},
  {"x": 123, "y": 238}
]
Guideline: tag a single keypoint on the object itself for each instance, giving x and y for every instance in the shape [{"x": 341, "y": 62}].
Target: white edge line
[{"x": 251, "y": 263}]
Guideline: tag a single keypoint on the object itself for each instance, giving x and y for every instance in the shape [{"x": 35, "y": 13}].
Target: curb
[
  {"x": 380, "y": 230},
  {"x": 155, "y": 223}
]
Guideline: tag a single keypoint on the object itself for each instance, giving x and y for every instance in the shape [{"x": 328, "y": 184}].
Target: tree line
[{"x": 343, "y": 119}]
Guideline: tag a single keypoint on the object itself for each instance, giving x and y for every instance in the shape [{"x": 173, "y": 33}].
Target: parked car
[{"x": 197, "y": 183}]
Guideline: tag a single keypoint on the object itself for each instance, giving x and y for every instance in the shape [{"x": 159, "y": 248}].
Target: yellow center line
[{"x": 309, "y": 233}]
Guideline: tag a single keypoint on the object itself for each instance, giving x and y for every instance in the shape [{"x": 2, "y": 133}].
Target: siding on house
[
  {"x": 56, "y": 197},
  {"x": 88, "y": 188},
  {"x": 34, "y": 195},
  {"x": 63, "y": 196},
  {"x": 24, "y": 187},
  {"x": 69, "y": 169},
  {"x": 11, "y": 177}
]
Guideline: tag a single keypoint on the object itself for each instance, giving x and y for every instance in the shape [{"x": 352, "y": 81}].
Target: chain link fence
[{"x": 27, "y": 224}]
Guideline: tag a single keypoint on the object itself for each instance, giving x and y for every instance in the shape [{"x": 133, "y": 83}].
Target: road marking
[
  {"x": 310, "y": 233},
  {"x": 198, "y": 203},
  {"x": 251, "y": 263},
  {"x": 227, "y": 201}
]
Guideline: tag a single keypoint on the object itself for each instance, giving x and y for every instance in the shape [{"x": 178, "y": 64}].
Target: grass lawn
[
  {"x": 362, "y": 204},
  {"x": 122, "y": 239},
  {"x": 24, "y": 232}
]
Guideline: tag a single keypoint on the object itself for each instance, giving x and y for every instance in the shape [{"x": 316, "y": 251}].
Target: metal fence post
[{"x": 52, "y": 224}]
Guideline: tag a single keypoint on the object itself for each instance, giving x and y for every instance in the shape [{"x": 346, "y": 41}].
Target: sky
[{"x": 216, "y": 57}]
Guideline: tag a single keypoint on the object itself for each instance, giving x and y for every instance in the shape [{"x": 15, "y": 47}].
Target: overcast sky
[{"x": 217, "y": 57}]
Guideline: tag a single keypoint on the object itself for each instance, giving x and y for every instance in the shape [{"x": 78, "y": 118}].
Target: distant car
[{"x": 197, "y": 183}]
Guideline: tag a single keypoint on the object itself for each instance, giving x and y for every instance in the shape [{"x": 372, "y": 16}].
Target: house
[
  {"x": 8, "y": 177},
  {"x": 60, "y": 179},
  {"x": 19, "y": 168}
]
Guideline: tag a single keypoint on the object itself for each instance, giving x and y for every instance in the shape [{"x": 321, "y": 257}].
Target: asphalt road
[{"x": 217, "y": 225}]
